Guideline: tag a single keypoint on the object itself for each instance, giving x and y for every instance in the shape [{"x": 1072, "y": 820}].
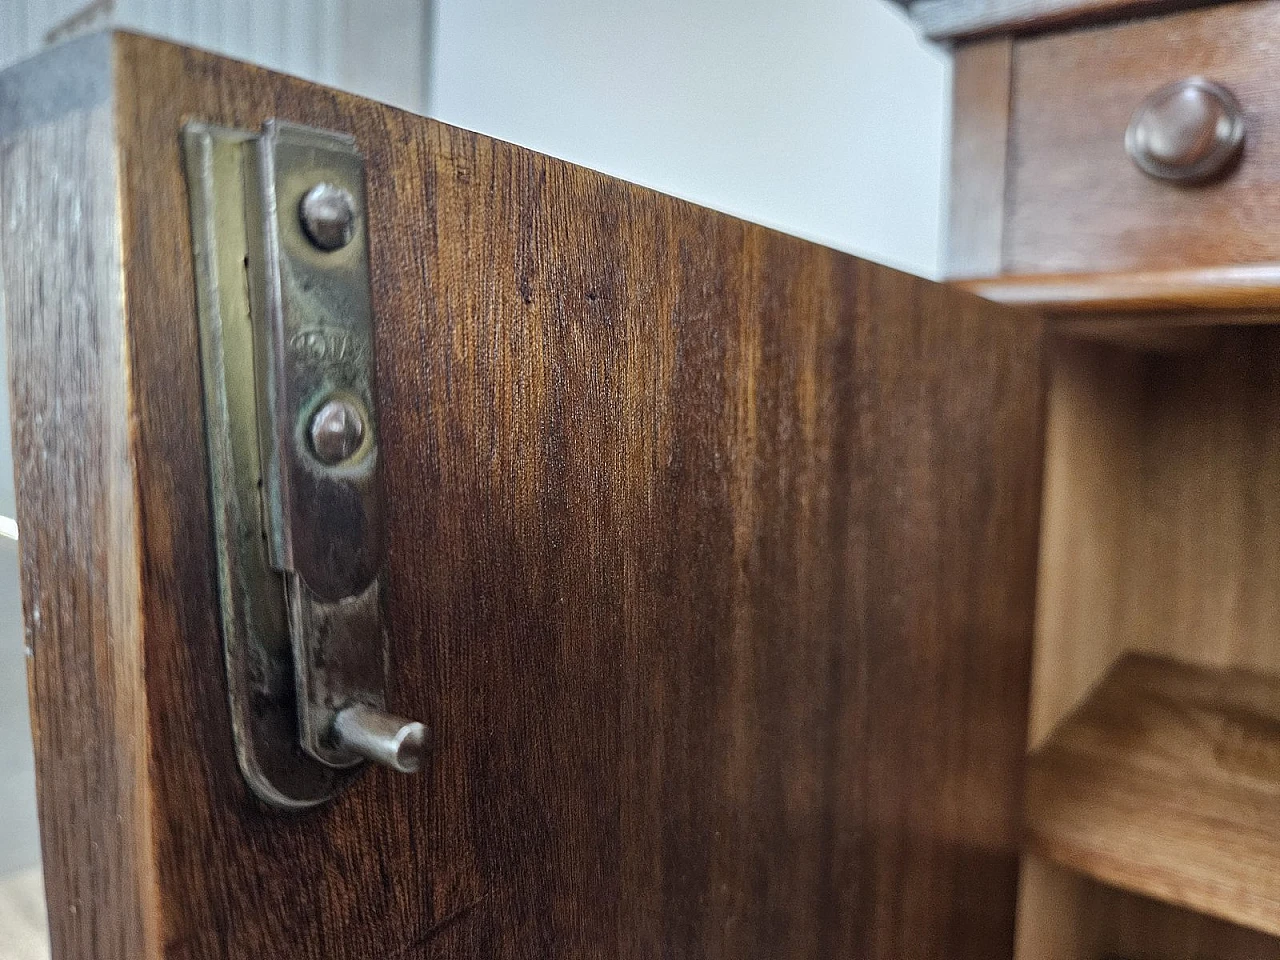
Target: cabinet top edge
[
  {"x": 71, "y": 76},
  {"x": 958, "y": 21}
]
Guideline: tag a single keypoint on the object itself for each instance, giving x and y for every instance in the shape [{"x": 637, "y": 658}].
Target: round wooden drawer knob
[{"x": 1188, "y": 131}]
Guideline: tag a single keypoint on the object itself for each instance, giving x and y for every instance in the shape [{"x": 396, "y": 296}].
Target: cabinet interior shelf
[{"x": 1166, "y": 782}]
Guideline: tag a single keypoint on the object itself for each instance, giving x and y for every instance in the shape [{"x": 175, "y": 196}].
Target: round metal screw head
[
  {"x": 336, "y": 430},
  {"x": 328, "y": 215}
]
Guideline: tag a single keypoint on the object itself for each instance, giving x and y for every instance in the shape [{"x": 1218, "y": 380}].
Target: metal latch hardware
[{"x": 286, "y": 335}]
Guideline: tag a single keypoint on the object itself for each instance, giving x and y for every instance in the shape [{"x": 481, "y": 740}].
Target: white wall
[{"x": 824, "y": 118}]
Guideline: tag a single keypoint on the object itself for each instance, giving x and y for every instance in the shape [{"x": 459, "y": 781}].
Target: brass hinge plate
[{"x": 286, "y": 333}]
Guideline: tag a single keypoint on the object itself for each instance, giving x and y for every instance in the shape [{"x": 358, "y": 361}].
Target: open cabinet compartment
[{"x": 1155, "y": 704}]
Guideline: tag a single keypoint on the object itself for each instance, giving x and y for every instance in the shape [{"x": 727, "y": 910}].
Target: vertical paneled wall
[{"x": 377, "y": 48}]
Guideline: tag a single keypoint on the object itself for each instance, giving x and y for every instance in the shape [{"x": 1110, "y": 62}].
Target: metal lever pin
[{"x": 381, "y": 737}]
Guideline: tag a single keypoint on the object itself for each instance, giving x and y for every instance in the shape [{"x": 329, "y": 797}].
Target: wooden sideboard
[
  {"x": 1154, "y": 782},
  {"x": 738, "y": 585}
]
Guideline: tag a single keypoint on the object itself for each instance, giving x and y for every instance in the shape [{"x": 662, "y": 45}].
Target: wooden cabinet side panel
[
  {"x": 981, "y": 101},
  {"x": 711, "y": 569},
  {"x": 76, "y": 506}
]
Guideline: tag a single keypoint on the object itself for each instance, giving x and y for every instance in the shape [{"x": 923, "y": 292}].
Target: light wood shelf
[{"x": 1166, "y": 782}]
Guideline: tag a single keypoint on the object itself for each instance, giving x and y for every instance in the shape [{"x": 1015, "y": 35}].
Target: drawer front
[{"x": 1077, "y": 202}]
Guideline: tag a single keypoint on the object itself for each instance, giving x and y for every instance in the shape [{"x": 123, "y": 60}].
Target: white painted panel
[
  {"x": 24, "y": 24},
  {"x": 376, "y": 48}
]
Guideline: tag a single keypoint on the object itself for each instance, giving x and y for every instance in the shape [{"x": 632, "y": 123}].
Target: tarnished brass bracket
[{"x": 286, "y": 327}]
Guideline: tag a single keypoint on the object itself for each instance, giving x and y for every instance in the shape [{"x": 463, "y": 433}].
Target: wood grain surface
[
  {"x": 74, "y": 466},
  {"x": 980, "y": 92},
  {"x": 1076, "y": 203},
  {"x": 1160, "y": 782},
  {"x": 712, "y": 563},
  {"x": 1064, "y": 915},
  {"x": 1161, "y": 535},
  {"x": 1194, "y": 295},
  {"x": 1160, "y": 530}
]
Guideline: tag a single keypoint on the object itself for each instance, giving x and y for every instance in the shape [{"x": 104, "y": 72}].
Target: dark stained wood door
[{"x": 711, "y": 562}]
